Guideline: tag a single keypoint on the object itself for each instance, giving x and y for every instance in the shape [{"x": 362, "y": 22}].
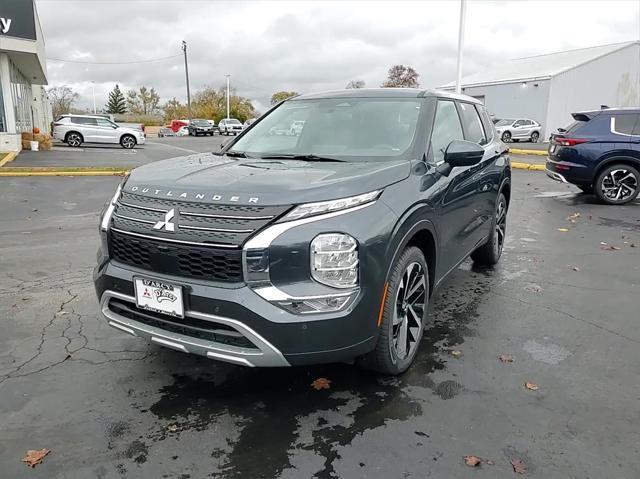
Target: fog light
[
  {"x": 315, "y": 305},
  {"x": 334, "y": 260}
]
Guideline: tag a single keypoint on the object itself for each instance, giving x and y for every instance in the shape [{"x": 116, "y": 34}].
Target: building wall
[
  {"x": 515, "y": 100},
  {"x": 611, "y": 80}
]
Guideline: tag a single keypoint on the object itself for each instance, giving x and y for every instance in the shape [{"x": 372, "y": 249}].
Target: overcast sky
[{"x": 307, "y": 46}]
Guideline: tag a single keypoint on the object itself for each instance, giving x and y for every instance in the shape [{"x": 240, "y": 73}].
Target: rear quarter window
[{"x": 625, "y": 124}]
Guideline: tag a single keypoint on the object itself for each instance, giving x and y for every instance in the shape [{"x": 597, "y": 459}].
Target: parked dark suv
[
  {"x": 325, "y": 246},
  {"x": 599, "y": 153}
]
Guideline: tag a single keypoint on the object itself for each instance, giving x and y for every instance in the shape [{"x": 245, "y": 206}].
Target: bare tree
[
  {"x": 355, "y": 84},
  {"x": 145, "y": 101},
  {"x": 401, "y": 76},
  {"x": 62, "y": 99}
]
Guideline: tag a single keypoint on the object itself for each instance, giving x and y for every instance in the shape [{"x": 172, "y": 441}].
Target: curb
[
  {"x": 517, "y": 151},
  {"x": 527, "y": 166},
  {"x": 61, "y": 171},
  {"x": 8, "y": 159}
]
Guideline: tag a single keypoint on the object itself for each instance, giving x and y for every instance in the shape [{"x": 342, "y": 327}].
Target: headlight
[
  {"x": 312, "y": 209},
  {"x": 334, "y": 260}
]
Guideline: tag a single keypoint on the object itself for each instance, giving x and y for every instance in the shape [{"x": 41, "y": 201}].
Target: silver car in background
[
  {"x": 75, "y": 130},
  {"x": 520, "y": 129}
]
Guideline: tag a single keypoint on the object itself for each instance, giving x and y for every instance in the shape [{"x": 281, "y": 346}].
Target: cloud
[{"x": 306, "y": 46}]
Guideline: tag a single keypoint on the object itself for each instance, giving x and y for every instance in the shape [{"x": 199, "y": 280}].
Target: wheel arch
[
  {"x": 421, "y": 234},
  {"x": 615, "y": 159},
  {"x": 128, "y": 134},
  {"x": 505, "y": 189},
  {"x": 66, "y": 136}
]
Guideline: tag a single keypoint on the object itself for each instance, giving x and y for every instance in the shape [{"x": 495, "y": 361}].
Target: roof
[
  {"x": 538, "y": 67},
  {"x": 383, "y": 93}
]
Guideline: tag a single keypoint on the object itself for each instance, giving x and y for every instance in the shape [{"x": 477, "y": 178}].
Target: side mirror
[{"x": 463, "y": 153}]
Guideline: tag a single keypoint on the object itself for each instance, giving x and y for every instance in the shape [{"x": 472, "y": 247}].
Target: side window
[
  {"x": 486, "y": 122},
  {"x": 104, "y": 122},
  {"x": 472, "y": 124},
  {"x": 627, "y": 124},
  {"x": 446, "y": 128},
  {"x": 518, "y": 123},
  {"x": 84, "y": 121}
]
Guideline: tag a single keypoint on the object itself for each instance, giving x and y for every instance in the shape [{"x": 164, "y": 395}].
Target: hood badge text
[{"x": 192, "y": 195}]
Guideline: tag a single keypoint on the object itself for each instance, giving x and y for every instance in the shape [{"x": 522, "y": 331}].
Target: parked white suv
[
  {"x": 516, "y": 130},
  {"x": 230, "y": 126},
  {"x": 77, "y": 129}
]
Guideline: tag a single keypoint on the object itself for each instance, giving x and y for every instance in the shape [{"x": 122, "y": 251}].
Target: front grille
[
  {"x": 187, "y": 326},
  {"x": 201, "y": 262}
]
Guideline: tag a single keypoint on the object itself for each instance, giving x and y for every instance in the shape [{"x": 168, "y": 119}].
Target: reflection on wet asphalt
[{"x": 275, "y": 412}]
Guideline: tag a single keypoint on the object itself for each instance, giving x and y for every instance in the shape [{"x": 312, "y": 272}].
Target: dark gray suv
[{"x": 326, "y": 246}]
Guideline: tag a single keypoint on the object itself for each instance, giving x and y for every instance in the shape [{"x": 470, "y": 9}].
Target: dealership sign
[{"x": 17, "y": 19}]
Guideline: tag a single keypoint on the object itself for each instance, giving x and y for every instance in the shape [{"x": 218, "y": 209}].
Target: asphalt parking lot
[{"x": 563, "y": 304}]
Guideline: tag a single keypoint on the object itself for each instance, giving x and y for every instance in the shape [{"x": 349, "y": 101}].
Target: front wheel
[
  {"x": 534, "y": 137},
  {"x": 489, "y": 253},
  {"x": 506, "y": 137},
  {"x": 127, "y": 142},
  {"x": 74, "y": 139},
  {"x": 403, "y": 315},
  {"x": 617, "y": 184}
]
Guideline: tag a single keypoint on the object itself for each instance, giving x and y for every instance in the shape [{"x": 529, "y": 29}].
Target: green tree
[
  {"x": 116, "y": 104},
  {"x": 145, "y": 101},
  {"x": 174, "y": 110},
  {"x": 400, "y": 76},
  {"x": 62, "y": 99},
  {"x": 278, "y": 96}
]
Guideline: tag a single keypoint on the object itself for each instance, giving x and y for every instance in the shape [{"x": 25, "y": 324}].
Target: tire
[
  {"x": 588, "y": 189},
  {"x": 535, "y": 136},
  {"x": 506, "y": 137},
  {"x": 617, "y": 184},
  {"x": 127, "y": 142},
  {"x": 74, "y": 139},
  {"x": 393, "y": 355},
  {"x": 489, "y": 253}
]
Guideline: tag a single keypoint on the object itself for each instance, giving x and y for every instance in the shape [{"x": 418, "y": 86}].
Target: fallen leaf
[
  {"x": 172, "y": 428},
  {"x": 490, "y": 462},
  {"x": 633, "y": 245},
  {"x": 575, "y": 268},
  {"x": 505, "y": 358},
  {"x": 321, "y": 383},
  {"x": 534, "y": 288},
  {"x": 531, "y": 386},
  {"x": 609, "y": 247},
  {"x": 33, "y": 457},
  {"x": 62, "y": 313},
  {"x": 519, "y": 467},
  {"x": 34, "y": 210},
  {"x": 602, "y": 242},
  {"x": 563, "y": 230},
  {"x": 573, "y": 218},
  {"x": 456, "y": 354},
  {"x": 472, "y": 461}
]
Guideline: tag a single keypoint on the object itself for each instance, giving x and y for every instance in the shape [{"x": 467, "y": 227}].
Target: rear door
[{"x": 87, "y": 127}]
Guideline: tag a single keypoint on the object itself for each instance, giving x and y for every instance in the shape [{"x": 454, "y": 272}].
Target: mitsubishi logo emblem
[{"x": 167, "y": 224}]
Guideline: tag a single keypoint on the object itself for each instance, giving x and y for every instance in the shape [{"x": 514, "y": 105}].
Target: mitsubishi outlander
[{"x": 325, "y": 246}]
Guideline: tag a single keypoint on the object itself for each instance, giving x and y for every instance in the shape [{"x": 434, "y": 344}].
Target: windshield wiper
[
  {"x": 236, "y": 154},
  {"x": 299, "y": 157}
]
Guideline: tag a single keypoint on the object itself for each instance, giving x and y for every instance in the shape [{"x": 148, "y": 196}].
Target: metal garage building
[
  {"x": 23, "y": 74},
  {"x": 548, "y": 88}
]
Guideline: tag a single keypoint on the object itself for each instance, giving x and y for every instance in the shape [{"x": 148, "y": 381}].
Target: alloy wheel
[
  {"x": 619, "y": 184},
  {"x": 128, "y": 142},
  {"x": 410, "y": 305},
  {"x": 501, "y": 227},
  {"x": 73, "y": 140}
]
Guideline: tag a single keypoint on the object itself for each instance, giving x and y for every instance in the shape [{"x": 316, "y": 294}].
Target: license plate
[{"x": 159, "y": 297}]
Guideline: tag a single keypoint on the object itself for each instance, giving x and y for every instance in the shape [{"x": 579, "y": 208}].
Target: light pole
[
  {"x": 186, "y": 72},
  {"x": 463, "y": 13},
  {"x": 93, "y": 92},
  {"x": 227, "y": 95}
]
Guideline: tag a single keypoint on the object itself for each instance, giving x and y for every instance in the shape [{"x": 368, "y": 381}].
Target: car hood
[{"x": 209, "y": 178}]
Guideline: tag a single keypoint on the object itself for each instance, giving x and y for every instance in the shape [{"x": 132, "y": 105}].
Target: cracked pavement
[{"x": 111, "y": 406}]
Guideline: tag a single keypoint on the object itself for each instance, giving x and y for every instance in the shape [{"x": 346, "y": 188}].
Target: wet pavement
[{"x": 110, "y": 406}]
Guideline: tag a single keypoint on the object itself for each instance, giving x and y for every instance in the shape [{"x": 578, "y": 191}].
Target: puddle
[{"x": 548, "y": 353}]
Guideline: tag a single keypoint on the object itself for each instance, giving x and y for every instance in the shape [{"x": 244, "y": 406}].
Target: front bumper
[{"x": 256, "y": 332}]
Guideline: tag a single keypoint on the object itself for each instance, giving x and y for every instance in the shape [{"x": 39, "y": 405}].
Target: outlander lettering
[{"x": 317, "y": 235}]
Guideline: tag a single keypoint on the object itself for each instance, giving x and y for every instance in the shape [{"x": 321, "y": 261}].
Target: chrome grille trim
[
  {"x": 138, "y": 220},
  {"x": 226, "y": 217},
  {"x": 146, "y": 208},
  {"x": 171, "y": 240},
  {"x": 216, "y": 230}
]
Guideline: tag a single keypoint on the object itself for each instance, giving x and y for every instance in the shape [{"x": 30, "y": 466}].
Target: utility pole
[
  {"x": 463, "y": 13},
  {"x": 93, "y": 91},
  {"x": 186, "y": 71},
  {"x": 227, "y": 95}
]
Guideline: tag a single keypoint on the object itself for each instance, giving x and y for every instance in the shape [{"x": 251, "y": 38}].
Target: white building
[
  {"x": 548, "y": 88},
  {"x": 23, "y": 74}
]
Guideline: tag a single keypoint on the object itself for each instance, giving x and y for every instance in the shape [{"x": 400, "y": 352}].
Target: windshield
[
  {"x": 504, "y": 122},
  {"x": 351, "y": 129},
  {"x": 233, "y": 121},
  {"x": 200, "y": 122}
]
